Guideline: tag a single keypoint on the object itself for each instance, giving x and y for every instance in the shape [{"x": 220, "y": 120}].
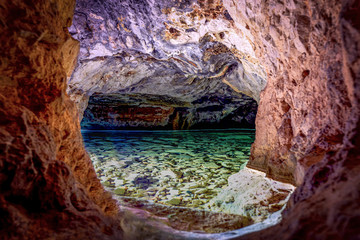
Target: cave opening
[
  {"x": 171, "y": 170},
  {"x": 169, "y": 157},
  {"x": 307, "y": 126},
  {"x": 173, "y": 157},
  {"x": 167, "y": 151},
  {"x": 168, "y": 111}
]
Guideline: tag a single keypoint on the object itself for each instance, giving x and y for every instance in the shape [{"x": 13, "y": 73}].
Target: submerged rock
[
  {"x": 120, "y": 191},
  {"x": 166, "y": 178},
  {"x": 167, "y": 173},
  {"x": 174, "y": 201}
]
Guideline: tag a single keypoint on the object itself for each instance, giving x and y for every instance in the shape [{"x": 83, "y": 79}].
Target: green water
[{"x": 183, "y": 168}]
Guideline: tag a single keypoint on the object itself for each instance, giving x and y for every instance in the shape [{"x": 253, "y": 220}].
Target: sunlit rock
[{"x": 251, "y": 193}]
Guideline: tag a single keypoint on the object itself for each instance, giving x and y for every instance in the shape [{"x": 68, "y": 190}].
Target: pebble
[
  {"x": 174, "y": 201},
  {"x": 176, "y": 168},
  {"x": 120, "y": 191},
  {"x": 210, "y": 165}
]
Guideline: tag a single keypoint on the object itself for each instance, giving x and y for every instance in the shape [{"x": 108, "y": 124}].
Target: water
[{"x": 182, "y": 168}]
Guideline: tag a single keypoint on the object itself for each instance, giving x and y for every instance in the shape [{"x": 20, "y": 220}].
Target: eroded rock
[
  {"x": 144, "y": 111},
  {"x": 163, "y": 49},
  {"x": 48, "y": 186},
  {"x": 305, "y": 107},
  {"x": 250, "y": 193}
]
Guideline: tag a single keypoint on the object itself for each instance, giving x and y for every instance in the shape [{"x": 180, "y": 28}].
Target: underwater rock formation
[{"x": 182, "y": 168}]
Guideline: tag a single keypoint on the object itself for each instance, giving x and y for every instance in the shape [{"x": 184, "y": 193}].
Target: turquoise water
[{"x": 183, "y": 168}]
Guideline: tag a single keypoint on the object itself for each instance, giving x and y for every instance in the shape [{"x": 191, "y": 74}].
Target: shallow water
[{"x": 183, "y": 168}]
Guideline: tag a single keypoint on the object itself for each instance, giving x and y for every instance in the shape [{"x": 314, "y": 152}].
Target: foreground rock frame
[{"x": 49, "y": 187}]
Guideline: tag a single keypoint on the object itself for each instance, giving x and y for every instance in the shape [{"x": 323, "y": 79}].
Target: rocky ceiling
[{"x": 183, "y": 59}]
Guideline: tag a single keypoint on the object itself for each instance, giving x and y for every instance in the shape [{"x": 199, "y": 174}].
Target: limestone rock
[
  {"x": 179, "y": 218},
  {"x": 164, "y": 50},
  {"x": 49, "y": 188},
  {"x": 304, "y": 109},
  {"x": 308, "y": 124},
  {"x": 250, "y": 193},
  {"x": 144, "y": 111}
]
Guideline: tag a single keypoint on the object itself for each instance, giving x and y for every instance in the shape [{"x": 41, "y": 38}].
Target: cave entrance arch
[
  {"x": 169, "y": 172},
  {"x": 169, "y": 76},
  {"x": 56, "y": 184}
]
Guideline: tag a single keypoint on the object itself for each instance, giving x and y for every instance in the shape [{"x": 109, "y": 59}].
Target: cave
[{"x": 70, "y": 65}]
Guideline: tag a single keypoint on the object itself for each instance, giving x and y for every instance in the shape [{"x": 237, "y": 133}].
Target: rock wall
[
  {"x": 306, "y": 105},
  {"x": 144, "y": 111},
  {"x": 326, "y": 204},
  {"x": 48, "y": 188}
]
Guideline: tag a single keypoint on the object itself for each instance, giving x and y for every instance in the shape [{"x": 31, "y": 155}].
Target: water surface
[{"x": 183, "y": 168}]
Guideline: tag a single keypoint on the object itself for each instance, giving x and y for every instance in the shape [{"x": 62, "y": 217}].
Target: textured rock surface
[
  {"x": 48, "y": 186},
  {"x": 189, "y": 219},
  {"x": 251, "y": 194},
  {"x": 142, "y": 111},
  {"x": 185, "y": 51},
  {"x": 46, "y": 178},
  {"x": 326, "y": 205},
  {"x": 305, "y": 107}
]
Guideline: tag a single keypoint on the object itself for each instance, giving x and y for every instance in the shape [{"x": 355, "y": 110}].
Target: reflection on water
[{"x": 183, "y": 168}]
